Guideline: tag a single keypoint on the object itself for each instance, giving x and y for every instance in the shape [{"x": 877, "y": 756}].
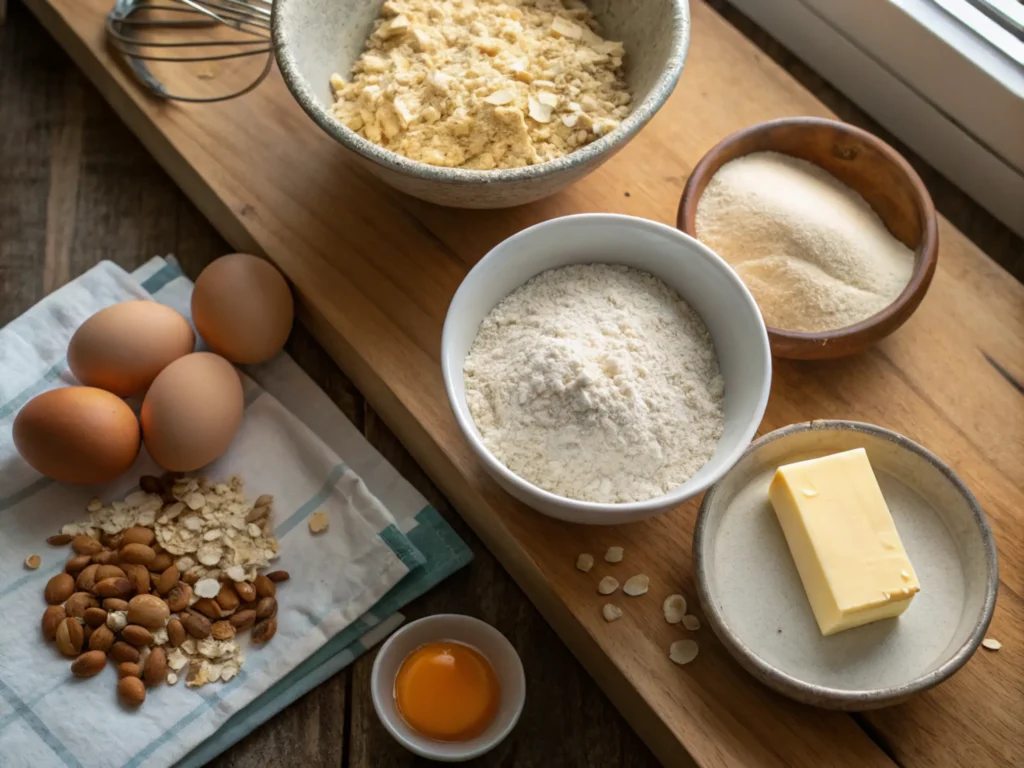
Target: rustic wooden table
[{"x": 77, "y": 187}]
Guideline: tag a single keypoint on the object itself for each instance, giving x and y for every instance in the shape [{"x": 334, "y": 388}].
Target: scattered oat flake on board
[
  {"x": 585, "y": 562},
  {"x": 318, "y": 522},
  {"x": 32, "y": 562},
  {"x": 607, "y": 585},
  {"x": 636, "y": 585},
  {"x": 991, "y": 644},
  {"x": 691, "y": 622},
  {"x": 611, "y": 612},
  {"x": 613, "y": 555},
  {"x": 683, "y": 651},
  {"x": 674, "y": 608}
]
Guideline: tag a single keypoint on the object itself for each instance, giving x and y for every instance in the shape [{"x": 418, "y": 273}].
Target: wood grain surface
[
  {"x": 379, "y": 312},
  {"x": 115, "y": 202}
]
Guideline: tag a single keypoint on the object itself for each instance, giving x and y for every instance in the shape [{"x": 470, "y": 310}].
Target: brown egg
[
  {"x": 192, "y": 411},
  {"x": 123, "y": 347},
  {"x": 242, "y": 308},
  {"x": 77, "y": 434}
]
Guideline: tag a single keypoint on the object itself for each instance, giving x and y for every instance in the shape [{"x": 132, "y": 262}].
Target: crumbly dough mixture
[
  {"x": 596, "y": 382},
  {"x": 484, "y": 84}
]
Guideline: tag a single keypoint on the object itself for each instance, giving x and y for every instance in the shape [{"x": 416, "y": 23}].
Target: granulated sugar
[
  {"x": 813, "y": 253},
  {"x": 598, "y": 383}
]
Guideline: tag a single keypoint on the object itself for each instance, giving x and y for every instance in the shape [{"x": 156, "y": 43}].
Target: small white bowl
[
  {"x": 461, "y": 629},
  {"x": 700, "y": 277}
]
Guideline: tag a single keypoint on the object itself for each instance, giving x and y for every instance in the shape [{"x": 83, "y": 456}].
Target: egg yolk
[{"x": 447, "y": 691}]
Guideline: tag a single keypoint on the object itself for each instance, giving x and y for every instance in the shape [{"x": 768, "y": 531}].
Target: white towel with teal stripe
[{"x": 384, "y": 547}]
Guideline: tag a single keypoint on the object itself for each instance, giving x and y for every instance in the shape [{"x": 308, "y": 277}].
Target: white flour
[
  {"x": 597, "y": 383},
  {"x": 813, "y": 253}
]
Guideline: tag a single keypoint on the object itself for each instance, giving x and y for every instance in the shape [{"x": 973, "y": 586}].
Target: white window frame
[{"x": 947, "y": 92}]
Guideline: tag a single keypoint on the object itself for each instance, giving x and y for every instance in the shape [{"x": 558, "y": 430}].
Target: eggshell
[
  {"x": 123, "y": 347},
  {"x": 242, "y": 308},
  {"x": 77, "y": 434},
  {"x": 192, "y": 411}
]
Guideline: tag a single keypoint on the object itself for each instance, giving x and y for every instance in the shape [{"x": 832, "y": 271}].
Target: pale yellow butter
[{"x": 850, "y": 558}]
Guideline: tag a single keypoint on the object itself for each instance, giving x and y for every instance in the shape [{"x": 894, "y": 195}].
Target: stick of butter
[{"x": 842, "y": 537}]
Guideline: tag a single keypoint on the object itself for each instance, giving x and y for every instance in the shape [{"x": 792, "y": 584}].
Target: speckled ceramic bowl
[
  {"x": 754, "y": 601},
  {"x": 314, "y": 39}
]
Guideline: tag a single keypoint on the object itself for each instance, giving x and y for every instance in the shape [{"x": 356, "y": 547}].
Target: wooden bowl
[{"x": 874, "y": 170}]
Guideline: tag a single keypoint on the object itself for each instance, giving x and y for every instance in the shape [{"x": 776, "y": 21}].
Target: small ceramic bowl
[
  {"x": 874, "y": 170},
  {"x": 468, "y": 631},
  {"x": 701, "y": 278},
  {"x": 755, "y": 602},
  {"x": 314, "y": 39}
]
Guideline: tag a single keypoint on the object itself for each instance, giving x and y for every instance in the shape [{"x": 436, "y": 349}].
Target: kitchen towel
[{"x": 384, "y": 547}]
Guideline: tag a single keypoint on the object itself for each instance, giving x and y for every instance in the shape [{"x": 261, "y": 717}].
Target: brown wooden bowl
[{"x": 870, "y": 167}]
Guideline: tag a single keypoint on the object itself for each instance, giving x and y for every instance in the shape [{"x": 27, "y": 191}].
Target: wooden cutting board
[{"x": 375, "y": 271}]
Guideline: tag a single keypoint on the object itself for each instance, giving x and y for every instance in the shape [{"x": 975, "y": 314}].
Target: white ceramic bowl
[
  {"x": 468, "y": 631},
  {"x": 703, "y": 280}
]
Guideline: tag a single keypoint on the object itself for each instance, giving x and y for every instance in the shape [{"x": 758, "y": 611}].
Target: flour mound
[{"x": 598, "y": 383}]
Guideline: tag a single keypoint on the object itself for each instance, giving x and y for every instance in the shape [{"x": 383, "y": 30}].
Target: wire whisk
[{"x": 186, "y": 32}]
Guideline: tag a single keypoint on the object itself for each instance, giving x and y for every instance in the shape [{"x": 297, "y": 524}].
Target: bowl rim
[
  {"x": 575, "y": 509},
  {"x": 659, "y": 92},
  {"x": 925, "y": 255},
  {"x": 467, "y": 628},
  {"x": 822, "y": 695}
]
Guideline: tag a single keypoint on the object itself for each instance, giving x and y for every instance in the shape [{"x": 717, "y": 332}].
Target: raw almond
[
  {"x": 197, "y": 626},
  {"x": 115, "y": 587},
  {"x": 109, "y": 572},
  {"x": 277, "y": 576},
  {"x": 122, "y": 652},
  {"x": 131, "y": 690},
  {"x": 175, "y": 632},
  {"x": 85, "y": 545},
  {"x": 59, "y": 588},
  {"x": 137, "y": 554},
  {"x": 161, "y": 562},
  {"x": 109, "y": 557},
  {"x": 167, "y": 580},
  {"x": 94, "y": 617},
  {"x": 208, "y": 608},
  {"x": 59, "y": 540},
  {"x": 246, "y": 591},
  {"x": 86, "y": 634},
  {"x": 264, "y": 631},
  {"x": 77, "y": 564},
  {"x": 70, "y": 637},
  {"x": 115, "y": 604},
  {"x": 190, "y": 577},
  {"x": 222, "y": 630},
  {"x": 266, "y": 608},
  {"x": 227, "y": 598},
  {"x": 148, "y": 611},
  {"x": 102, "y": 639},
  {"x": 79, "y": 603},
  {"x": 264, "y": 586},
  {"x": 155, "y": 670},
  {"x": 111, "y": 540},
  {"x": 87, "y": 578},
  {"x": 137, "y": 636},
  {"x": 179, "y": 597},
  {"x": 137, "y": 535},
  {"x": 243, "y": 619},
  {"x": 128, "y": 669},
  {"x": 139, "y": 577},
  {"x": 89, "y": 664},
  {"x": 52, "y": 618}
]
